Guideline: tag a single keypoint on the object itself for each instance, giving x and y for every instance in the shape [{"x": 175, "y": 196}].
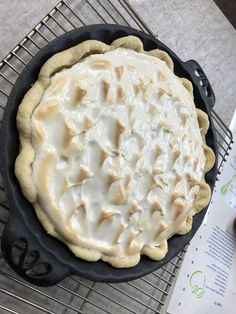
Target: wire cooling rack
[{"x": 74, "y": 295}]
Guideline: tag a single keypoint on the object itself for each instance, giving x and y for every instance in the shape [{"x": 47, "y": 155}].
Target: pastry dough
[{"x": 112, "y": 151}]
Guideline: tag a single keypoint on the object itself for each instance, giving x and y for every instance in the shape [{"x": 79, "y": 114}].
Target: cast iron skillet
[{"x": 44, "y": 260}]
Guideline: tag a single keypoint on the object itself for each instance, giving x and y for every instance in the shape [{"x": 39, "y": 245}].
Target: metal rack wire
[{"x": 75, "y": 295}]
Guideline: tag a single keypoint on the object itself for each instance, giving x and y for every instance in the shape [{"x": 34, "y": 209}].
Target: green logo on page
[
  {"x": 197, "y": 282},
  {"x": 224, "y": 189}
]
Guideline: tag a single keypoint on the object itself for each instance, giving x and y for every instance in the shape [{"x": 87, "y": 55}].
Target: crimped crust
[{"x": 25, "y": 159}]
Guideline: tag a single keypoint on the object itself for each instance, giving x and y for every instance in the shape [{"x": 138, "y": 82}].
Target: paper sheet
[{"x": 206, "y": 283}]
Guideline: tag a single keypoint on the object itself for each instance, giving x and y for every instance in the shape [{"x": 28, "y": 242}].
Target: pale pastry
[{"x": 113, "y": 152}]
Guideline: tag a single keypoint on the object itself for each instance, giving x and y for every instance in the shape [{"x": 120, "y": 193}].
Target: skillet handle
[
  {"x": 199, "y": 78},
  {"x": 25, "y": 256}
]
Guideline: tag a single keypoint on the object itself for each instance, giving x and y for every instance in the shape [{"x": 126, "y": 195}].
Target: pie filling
[{"x": 119, "y": 156}]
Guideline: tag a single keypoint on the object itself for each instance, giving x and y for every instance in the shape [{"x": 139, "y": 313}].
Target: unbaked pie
[{"x": 112, "y": 151}]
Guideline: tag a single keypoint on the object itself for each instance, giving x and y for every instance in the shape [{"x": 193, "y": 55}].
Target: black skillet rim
[{"x": 23, "y": 222}]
